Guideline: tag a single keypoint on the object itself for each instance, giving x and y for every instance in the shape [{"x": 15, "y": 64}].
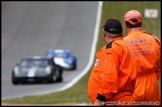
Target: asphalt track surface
[{"x": 31, "y": 28}]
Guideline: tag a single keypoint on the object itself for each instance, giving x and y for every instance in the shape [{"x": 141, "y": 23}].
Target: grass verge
[{"x": 78, "y": 93}]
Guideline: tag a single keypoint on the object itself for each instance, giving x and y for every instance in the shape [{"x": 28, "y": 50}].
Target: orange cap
[{"x": 133, "y": 14}]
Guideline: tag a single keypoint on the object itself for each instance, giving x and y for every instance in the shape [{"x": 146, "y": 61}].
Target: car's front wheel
[
  {"x": 13, "y": 79},
  {"x": 14, "y": 82}
]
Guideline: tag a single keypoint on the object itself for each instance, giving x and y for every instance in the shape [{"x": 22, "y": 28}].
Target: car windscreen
[
  {"x": 62, "y": 55},
  {"x": 34, "y": 62}
]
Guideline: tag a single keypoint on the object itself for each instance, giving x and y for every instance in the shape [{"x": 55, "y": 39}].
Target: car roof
[{"x": 59, "y": 51}]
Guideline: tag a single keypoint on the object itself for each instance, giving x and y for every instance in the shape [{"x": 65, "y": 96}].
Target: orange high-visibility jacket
[
  {"x": 145, "y": 49},
  {"x": 113, "y": 73}
]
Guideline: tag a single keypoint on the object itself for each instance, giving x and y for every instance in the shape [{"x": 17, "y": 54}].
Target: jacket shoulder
[
  {"x": 147, "y": 33},
  {"x": 153, "y": 36},
  {"x": 157, "y": 40}
]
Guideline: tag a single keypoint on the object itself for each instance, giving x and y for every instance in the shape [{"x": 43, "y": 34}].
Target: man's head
[
  {"x": 133, "y": 18},
  {"x": 112, "y": 29}
]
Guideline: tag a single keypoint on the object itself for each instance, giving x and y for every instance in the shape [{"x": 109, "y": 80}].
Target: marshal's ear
[{"x": 104, "y": 34}]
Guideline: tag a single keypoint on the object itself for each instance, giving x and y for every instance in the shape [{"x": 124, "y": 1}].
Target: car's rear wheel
[
  {"x": 75, "y": 67},
  {"x": 59, "y": 78},
  {"x": 54, "y": 76}
]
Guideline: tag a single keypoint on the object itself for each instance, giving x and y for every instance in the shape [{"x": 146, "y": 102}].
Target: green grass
[{"x": 78, "y": 93}]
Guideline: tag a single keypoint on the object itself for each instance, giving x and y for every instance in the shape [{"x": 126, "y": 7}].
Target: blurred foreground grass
[{"x": 78, "y": 93}]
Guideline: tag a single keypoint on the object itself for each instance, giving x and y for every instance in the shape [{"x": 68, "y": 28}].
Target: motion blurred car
[
  {"x": 63, "y": 58},
  {"x": 36, "y": 69}
]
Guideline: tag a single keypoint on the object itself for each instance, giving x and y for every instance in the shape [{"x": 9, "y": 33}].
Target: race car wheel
[
  {"x": 54, "y": 76},
  {"x": 59, "y": 79},
  {"x": 75, "y": 67},
  {"x": 14, "y": 81}
]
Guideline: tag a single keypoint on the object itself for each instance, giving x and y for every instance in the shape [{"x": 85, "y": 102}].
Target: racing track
[{"x": 31, "y": 28}]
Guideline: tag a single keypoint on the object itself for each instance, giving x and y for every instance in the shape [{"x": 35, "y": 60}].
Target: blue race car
[{"x": 63, "y": 58}]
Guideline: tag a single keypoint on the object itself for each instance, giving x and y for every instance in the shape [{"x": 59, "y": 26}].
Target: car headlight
[
  {"x": 48, "y": 70},
  {"x": 16, "y": 70}
]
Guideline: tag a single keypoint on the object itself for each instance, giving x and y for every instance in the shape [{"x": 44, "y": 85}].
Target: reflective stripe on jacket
[{"x": 113, "y": 71}]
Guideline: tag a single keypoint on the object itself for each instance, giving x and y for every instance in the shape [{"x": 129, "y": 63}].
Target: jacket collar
[
  {"x": 134, "y": 30},
  {"x": 118, "y": 38},
  {"x": 109, "y": 45}
]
